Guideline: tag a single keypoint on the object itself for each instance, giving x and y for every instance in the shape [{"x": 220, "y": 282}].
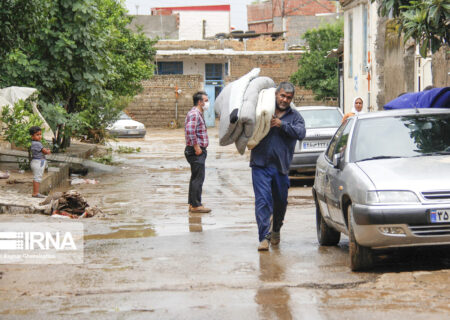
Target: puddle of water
[{"x": 124, "y": 232}]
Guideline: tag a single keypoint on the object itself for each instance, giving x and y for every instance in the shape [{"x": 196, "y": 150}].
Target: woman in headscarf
[{"x": 358, "y": 103}]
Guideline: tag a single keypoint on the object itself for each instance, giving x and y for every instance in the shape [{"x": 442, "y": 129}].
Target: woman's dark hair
[
  {"x": 34, "y": 129},
  {"x": 198, "y": 96}
]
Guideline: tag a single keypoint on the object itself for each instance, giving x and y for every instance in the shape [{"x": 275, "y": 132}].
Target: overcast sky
[{"x": 238, "y": 12}]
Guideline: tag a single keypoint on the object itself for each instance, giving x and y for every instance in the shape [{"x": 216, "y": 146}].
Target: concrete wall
[
  {"x": 155, "y": 106},
  {"x": 356, "y": 82},
  {"x": 296, "y": 26},
  {"x": 191, "y": 24},
  {"x": 398, "y": 70},
  {"x": 163, "y": 27},
  {"x": 441, "y": 68},
  {"x": 196, "y": 66}
]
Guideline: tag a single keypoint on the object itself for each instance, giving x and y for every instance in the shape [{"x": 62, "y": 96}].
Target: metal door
[
  {"x": 210, "y": 116},
  {"x": 213, "y": 86}
]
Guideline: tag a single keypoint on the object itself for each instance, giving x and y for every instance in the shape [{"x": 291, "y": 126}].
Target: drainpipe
[
  {"x": 177, "y": 91},
  {"x": 369, "y": 69}
]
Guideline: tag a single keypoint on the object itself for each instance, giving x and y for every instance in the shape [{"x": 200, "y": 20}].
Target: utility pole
[{"x": 283, "y": 19}]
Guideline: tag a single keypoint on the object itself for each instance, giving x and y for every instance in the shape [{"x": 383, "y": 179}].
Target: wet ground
[{"x": 148, "y": 258}]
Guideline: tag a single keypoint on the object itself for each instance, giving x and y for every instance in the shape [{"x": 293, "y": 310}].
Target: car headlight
[{"x": 391, "y": 197}]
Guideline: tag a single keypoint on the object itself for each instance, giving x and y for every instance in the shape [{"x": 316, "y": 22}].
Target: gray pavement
[{"x": 148, "y": 258}]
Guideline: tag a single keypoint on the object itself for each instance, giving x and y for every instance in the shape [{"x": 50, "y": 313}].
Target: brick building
[
  {"x": 294, "y": 17},
  {"x": 184, "y": 67}
]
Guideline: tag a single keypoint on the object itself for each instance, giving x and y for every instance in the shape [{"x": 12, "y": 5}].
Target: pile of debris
[
  {"x": 69, "y": 204},
  {"x": 4, "y": 174}
]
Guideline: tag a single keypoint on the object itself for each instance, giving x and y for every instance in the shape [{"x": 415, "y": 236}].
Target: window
[
  {"x": 341, "y": 146},
  {"x": 339, "y": 142},
  {"x": 170, "y": 67},
  {"x": 350, "y": 45},
  {"x": 213, "y": 71},
  {"x": 325, "y": 118},
  {"x": 402, "y": 136}
]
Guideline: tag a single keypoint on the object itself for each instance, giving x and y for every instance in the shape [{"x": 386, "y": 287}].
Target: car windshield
[
  {"x": 321, "y": 118},
  {"x": 402, "y": 136},
  {"x": 124, "y": 116}
]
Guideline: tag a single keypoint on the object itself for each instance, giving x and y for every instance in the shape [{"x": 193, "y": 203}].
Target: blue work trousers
[{"x": 271, "y": 192}]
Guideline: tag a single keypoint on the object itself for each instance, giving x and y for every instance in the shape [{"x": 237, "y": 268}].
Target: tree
[
  {"x": 316, "y": 71},
  {"x": 425, "y": 21},
  {"x": 78, "y": 54}
]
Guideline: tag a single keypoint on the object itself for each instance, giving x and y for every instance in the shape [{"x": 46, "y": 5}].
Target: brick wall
[
  {"x": 252, "y": 44},
  {"x": 303, "y": 7},
  {"x": 155, "y": 105},
  {"x": 277, "y": 67},
  {"x": 259, "y": 11},
  {"x": 265, "y": 44}
]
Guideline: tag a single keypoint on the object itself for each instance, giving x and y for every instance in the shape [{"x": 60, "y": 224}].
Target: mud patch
[{"x": 124, "y": 232}]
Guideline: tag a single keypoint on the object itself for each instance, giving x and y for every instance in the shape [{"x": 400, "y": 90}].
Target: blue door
[
  {"x": 213, "y": 86},
  {"x": 210, "y": 116}
]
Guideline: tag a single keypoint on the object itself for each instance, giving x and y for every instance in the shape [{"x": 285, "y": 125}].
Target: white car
[
  {"x": 126, "y": 127},
  {"x": 321, "y": 123}
]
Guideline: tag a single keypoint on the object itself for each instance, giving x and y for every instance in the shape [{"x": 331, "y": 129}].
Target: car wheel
[
  {"x": 326, "y": 235},
  {"x": 361, "y": 258}
]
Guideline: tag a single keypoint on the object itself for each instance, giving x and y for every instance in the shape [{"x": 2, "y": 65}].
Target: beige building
[{"x": 376, "y": 65}]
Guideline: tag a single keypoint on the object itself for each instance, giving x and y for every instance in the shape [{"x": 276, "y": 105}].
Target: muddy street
[{"x": 149, "y": 258}]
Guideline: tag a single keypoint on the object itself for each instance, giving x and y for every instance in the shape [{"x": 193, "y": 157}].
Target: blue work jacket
[{"x": 277, "y": 148}]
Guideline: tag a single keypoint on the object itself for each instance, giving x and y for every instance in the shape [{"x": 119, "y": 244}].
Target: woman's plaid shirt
[{"x": 195, "y": 129}]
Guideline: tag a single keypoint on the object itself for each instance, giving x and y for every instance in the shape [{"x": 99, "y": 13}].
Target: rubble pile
[{"x": 69, "y": 204}]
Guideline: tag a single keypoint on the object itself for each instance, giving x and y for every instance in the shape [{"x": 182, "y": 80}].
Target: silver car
[
  {"x": 321, "y": 123},
  {"x": 385, "y": 182},
  {"x": 125, "y": 127}
]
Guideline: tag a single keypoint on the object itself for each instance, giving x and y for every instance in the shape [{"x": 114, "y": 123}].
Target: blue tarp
[{"x": 433, "y": 98}]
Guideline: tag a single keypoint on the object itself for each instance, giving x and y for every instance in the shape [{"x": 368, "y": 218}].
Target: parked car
[
  {"x": 126, "y": 127},
  {"x": 321, "y": 123},
  {"x": 384, "y": 180}
]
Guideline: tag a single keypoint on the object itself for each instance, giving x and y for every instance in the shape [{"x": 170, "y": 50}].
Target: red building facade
[{"x": 261, "y": 17}]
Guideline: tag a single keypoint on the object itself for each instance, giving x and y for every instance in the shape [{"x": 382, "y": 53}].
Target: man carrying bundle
[{"x": 270, "y": 161}]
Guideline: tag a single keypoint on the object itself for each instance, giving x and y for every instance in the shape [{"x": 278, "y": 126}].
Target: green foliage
[
  {"x": 125, "y": 149},
  {"x": 79, "y": 55},
  {"x": 23, "y": 163},
  {"x": 19, "y": 120},
  {"x": 316, "y": 72},
  {"x": 106, "y": 159},
  {"x": 425, "y": 21}
]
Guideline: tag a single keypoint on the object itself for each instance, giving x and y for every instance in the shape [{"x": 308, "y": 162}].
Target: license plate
[
  {"x": 440, "y": 216},
  {"x": 315, "y": 145},
  {"x": 133, "y": 132}
]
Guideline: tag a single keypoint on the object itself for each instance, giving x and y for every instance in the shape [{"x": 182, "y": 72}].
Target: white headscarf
[{"x": 353, "y": 107}]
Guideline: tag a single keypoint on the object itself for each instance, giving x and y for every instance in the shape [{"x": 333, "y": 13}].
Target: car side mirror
[{"x": 336, "y": 160}]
